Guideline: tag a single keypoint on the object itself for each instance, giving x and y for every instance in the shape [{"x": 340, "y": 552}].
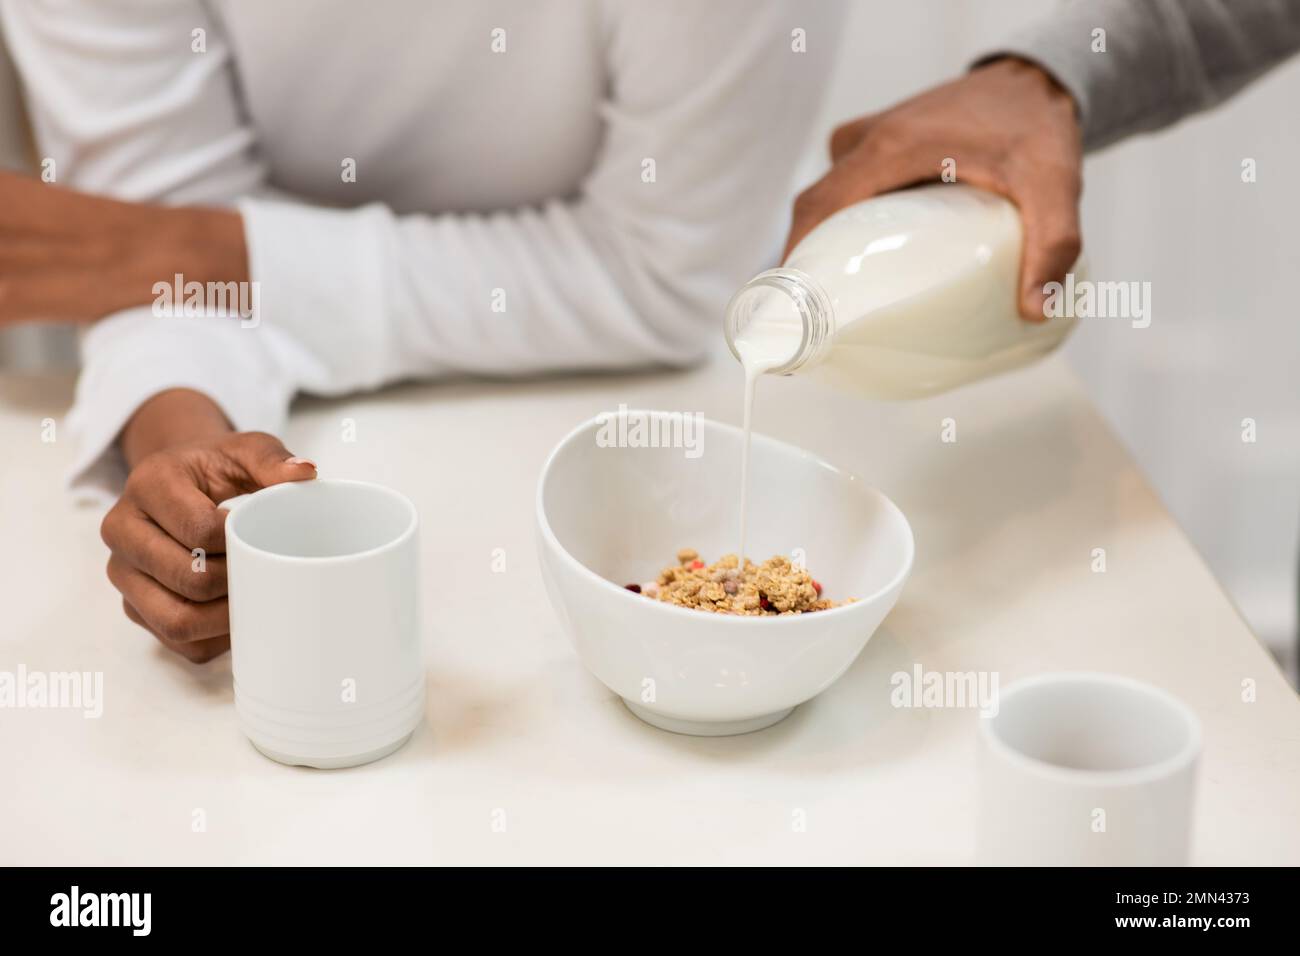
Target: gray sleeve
[{"x": 1162, "y": 59}]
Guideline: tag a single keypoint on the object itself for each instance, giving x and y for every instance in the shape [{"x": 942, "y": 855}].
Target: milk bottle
[{"x": 901, "y": 296}]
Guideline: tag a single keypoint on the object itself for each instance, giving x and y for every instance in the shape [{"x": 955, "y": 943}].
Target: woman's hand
[
  {"x": 168, "y": 512},
  {"x": 1009, "y": 128},
  {"x": 69, "y": 256}
]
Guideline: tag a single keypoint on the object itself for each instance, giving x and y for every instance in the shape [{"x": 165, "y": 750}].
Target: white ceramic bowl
[{"x": 609, "y": 516}]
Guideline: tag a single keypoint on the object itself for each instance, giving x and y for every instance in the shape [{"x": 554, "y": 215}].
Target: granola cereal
[{"x": 724, "y": 587}]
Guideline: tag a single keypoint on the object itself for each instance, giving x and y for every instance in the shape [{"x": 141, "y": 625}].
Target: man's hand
[
  {"x": 169, "y": 508},
  {"x": 70, "y": 256},
  {"x": 1010, "y": 128}
]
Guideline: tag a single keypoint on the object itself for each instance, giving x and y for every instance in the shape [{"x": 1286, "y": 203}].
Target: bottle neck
[{"x": 792, "y": 314}]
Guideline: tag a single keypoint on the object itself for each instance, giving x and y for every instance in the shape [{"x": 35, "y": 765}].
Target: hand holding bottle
[{"x": 1009, "y": 128}]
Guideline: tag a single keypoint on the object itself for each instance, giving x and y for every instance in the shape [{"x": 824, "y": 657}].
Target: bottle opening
[{"x": 776, "y": 322}]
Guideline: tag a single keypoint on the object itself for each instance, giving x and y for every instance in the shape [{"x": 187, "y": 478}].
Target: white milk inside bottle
[{"x": 902, "y": 296}]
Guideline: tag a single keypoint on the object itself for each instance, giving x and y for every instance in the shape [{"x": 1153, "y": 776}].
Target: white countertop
[{"x": 1006, "y": 519}]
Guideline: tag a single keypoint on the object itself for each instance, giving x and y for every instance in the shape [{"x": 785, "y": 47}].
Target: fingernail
[{"x": 299, "y": 461}]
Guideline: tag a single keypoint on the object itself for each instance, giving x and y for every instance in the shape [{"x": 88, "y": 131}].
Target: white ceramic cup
[
  {"x": 1081, "y": 769},
  {"x": 325, "y": 620}
]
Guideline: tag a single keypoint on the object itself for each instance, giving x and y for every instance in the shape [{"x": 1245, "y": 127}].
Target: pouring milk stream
[{"x": 901, "y": 296}]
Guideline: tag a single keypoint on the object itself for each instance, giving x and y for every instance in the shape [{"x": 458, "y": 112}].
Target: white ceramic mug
[
  {"x": 1080, "y": 769},
  {"x": 325, "y": 620}
]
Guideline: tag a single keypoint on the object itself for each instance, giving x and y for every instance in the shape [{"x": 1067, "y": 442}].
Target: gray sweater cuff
[{"x": 1138, "y": 65}]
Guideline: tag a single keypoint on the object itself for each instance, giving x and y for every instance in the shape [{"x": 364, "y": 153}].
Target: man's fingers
[
  {"x": 846, "y": 137},
  {"x": 1052, "y": 240},
  {"x": 168, "y": 615},
  {"x": 1049, "y": 213},
  {"x": 198, "y": 652},
  {"x": 133, "y": 537},
  {"x": 863, "y": 173}
]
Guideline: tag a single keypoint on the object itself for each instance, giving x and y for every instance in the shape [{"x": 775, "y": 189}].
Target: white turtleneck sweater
[{"x": 557, "y": 184}]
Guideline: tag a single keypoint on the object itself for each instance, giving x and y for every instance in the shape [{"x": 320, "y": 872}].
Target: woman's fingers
[
  {"x": 264, "y": 461},
  {"x": 166, "y": 488},
  {"x": 198, "y": 652},
  {"x": 171, "y": 617},
  {"x": 136, "y": 539},
  {"x": 167, "y": 534}
]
